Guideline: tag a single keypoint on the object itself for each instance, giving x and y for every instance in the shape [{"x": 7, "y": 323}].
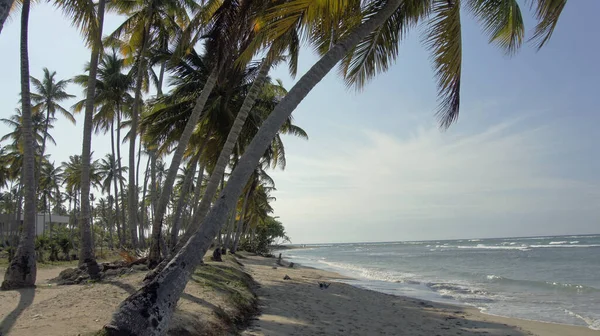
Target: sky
[{"x": 522, "y": 159}]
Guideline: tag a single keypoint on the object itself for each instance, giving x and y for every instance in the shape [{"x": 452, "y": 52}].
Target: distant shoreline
[{"x": 311, "y": 245}]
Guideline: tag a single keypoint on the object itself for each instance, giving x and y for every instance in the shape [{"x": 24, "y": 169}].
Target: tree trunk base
[
  {"x": 139, "y": 311},
  {"x": 20, "y": 274}
]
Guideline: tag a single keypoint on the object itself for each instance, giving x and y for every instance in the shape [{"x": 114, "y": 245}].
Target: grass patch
[{"x": 228, "y": 279}]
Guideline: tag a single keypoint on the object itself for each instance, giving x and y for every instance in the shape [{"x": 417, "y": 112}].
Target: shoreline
[{"x": 436, "y": 318}]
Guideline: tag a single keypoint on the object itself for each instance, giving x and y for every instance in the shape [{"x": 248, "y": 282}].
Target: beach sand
[{"x": 299, "y": 307}]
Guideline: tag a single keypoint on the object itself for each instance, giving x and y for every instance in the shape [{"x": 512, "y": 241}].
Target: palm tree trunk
[
  {"x": 185, "y": 188},
  {"x": 143, "y": 205},
  {"x": 154, "y": 256},
  {"x": 240, "y": 225},
  {"x": 121, "y": 186},
  {"x": 22, "y": 269},
  {"x": 137, "y": 104},
  {"x": 149, "y": 310},
  {"x": 230, "y": 227},
  {"x": 178, "y": 215},
  {"x": 153, "y": 188},
  {"x": 115, "y": 178},
  {"x": 109, "y": 225},
  {"x": 197, "y": 193},
  {"x": 87, "y": 256},
  {"x": 224, "y": 156}
]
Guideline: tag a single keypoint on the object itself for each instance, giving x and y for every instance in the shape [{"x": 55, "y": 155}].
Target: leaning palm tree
[
  {"x": 50, "y": 93},
  {"x": 149, "y": 310},
  {"x": 22, "y": 270}
]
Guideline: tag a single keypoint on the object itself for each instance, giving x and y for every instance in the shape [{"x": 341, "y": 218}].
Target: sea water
[{"x": 550, "y": 279}]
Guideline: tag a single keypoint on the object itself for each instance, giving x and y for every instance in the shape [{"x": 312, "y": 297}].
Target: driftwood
[{"x": 107, "y": 266}]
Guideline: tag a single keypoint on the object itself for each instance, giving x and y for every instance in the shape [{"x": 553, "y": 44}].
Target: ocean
[{"x": 550, "y": 279}]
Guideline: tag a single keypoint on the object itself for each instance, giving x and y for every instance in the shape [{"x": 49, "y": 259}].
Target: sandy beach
[
  {"x": 299, "y": 307},
  {"x": 287, "y": 307}
]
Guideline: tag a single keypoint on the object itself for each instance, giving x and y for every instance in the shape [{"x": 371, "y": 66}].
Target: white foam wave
[
  {"x": 493, "y": 247},
  {"x": 369, "y": 273},
  {"x": 545, "y": 246},
  {"x": 574, "y": 242},
  {"x": 558, "y": 242},
  {"x": 591, "y": 323}
]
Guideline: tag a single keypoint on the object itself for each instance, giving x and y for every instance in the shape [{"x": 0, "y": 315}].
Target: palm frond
[
  {"x": 443, "y": 39},
  {"x": 547, "y": 13},
  {"x": 501, "y": 20}
]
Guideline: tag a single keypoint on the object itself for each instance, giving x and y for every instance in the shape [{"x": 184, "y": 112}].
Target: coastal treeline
[{"x": 193, "y": 170}]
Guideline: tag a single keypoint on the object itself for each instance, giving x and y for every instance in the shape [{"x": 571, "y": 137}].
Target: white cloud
[{"x": 430, "y": 177}]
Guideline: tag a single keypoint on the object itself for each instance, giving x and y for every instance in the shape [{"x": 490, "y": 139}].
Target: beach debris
[
  {"x": 324, "y": 285},
  {"x": 291, "y": 265},
  {"x": 274, "y": 267},
  {"x": 286, "y": 277}
]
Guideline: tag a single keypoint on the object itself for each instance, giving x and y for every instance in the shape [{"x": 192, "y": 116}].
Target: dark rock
[{"x": 286, "y": 277}]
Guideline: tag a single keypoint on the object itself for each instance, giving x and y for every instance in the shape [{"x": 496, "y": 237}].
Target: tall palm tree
[
  {"x": 50, "y": 181},
  {"x": 15, "y": 121},
  {"x": 112, "y": 101},
  {"x": 89, "y": 18},
  {"x": 147, "y": 21},
  {"x": 443, "y": 38},
  {"x": 22, "y": 270},
  {"x": 50, "y": 93},
  {"x": 110, "y": 176}
]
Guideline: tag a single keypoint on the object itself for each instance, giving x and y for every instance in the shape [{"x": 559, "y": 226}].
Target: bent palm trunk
[
  {"x": 22, "y": 270},
  {"x": 154, "y": 256},
  {"x": 149, "y": 310},
  {"x": 86, "y": 255}
]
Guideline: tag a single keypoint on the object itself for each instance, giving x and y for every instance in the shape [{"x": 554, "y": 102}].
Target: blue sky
[{"x": 522, "y": 159}]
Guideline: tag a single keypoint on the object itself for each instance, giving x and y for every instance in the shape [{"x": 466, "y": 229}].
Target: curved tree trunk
[
  {"x": 149, "y": 310},
  {"x": 224, "y": 156},
  {"x": 86, "y": 251},
  {"x": 240, "y": 224},
  {"x": 5, "y": 6},
  {"x": 185, "y": 188},
  {"x": 154, "y": 256},
  {"x": 22, "y": 270}
]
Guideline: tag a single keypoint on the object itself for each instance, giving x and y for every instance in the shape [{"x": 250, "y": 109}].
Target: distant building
[{"x": 42, "y": 224}]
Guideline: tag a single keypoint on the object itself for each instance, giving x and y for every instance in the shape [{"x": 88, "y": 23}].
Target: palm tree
[
  {"x": 15, "y": 121},
  {"x": 90, "y": 21},
  {"x": 147, "y": 21},
  {"x": 48, "y": 97},
  {"x": 50, "y": 180},
  {"x": 112, "y": 101},
  {"x": 22, "y": 270},
  {"x": 443, "y": 38},
  {"x": 110, "y": 176}
]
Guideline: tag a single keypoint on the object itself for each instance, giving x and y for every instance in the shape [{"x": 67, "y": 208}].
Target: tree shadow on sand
[{"x": 25, "y": 300}]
